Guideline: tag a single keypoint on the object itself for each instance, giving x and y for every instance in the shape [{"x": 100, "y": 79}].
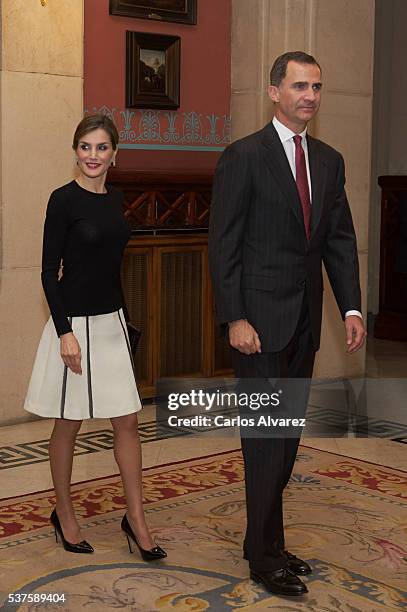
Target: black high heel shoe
[
  {"x": 147, "y": 555},
  {"x": 81, "y": 547}
]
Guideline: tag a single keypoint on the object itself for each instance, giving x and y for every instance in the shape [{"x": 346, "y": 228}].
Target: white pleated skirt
[{"x": 107, "y": 386}]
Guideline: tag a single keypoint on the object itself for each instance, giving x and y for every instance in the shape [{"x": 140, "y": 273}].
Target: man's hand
[
  {"x": 243, "y": 337},
  {"x": 355, "y": 333},
  {"x": 71, "y": 352}
]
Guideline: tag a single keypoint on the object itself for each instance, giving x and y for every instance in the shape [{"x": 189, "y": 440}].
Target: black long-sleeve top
[{"x": 88, "y": 232}]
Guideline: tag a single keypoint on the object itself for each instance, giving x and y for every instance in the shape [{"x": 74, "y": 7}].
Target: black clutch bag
[{"x": 134, "y": 336}]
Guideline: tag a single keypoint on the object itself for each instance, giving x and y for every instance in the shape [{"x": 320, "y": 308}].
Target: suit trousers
[{"x": 269, "y": 461}]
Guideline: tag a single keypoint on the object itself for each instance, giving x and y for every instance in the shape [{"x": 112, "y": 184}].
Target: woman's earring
[{"x": 113, "y": 162}]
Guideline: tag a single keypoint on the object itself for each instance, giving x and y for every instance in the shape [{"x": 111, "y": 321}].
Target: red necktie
[{"x": 302, "y": 183}]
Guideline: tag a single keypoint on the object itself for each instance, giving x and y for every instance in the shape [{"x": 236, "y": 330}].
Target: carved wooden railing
[{"x": 164, "y": 200}]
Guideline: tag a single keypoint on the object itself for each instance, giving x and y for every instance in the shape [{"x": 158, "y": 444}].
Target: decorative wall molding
[{"x": 160, "y": 129}]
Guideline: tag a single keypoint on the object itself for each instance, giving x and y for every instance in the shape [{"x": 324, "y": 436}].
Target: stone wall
[
  {"x": 41, "y": 103},
  {"x": 340, "y": 35}
]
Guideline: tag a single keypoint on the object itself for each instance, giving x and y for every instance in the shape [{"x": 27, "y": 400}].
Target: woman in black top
[{"x": 83, "y": 368}]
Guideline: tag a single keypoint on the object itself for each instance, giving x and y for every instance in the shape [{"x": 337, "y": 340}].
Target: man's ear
[{"x": 274, "y": 93}]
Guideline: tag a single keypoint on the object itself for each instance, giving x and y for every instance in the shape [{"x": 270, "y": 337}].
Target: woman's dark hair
[
  {"x": 93, "y": 122},
  {"x": 279, "y": 69}
]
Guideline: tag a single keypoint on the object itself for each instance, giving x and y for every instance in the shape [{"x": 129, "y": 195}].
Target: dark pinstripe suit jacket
[{"x": 260, "y": 260}]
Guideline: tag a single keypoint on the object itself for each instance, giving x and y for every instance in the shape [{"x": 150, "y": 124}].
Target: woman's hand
[{"x": 71, "y": 352}]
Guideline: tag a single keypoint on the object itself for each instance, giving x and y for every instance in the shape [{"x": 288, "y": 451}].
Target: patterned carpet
[{"x": 348, "y": 518}]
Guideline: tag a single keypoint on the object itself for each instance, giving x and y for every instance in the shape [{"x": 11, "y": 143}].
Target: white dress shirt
[{"x": 287, "y": 140}]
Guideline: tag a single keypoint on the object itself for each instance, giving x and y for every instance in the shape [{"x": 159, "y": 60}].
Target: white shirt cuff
[{"x": 353, "y": 312}]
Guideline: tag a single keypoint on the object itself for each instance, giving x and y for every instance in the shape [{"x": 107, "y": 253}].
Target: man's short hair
[{"x": 279, "y": 68}]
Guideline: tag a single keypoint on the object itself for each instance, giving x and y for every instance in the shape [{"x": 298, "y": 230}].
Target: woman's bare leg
[
  {"x": 61, "y": 447},
  {"x": 127, "y": 452}
]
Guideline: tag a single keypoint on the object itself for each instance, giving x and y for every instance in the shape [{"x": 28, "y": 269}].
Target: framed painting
[
  {"x": 178, "y": 11},
  {"x": 152, "y": 70}
]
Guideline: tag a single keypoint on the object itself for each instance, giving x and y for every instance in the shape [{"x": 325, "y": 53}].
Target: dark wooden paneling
[
  {"x": 136, "y": 280},
  {"x": 165, "y": 276},
  {"x": 391, "y": 321},
  {"x": 181, "y": 312}
]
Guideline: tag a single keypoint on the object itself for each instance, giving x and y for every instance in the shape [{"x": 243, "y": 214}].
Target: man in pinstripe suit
[{"x": 279, "y": 210}]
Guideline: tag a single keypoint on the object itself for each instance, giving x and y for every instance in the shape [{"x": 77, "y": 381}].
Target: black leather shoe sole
[{"x": 278, "y": 589}]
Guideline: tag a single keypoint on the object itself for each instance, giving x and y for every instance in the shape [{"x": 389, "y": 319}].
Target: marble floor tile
[
  {"x": 324, "y": 444},
  {"x": 386, "y": 359},
  {"x": 375, "y": 450}
]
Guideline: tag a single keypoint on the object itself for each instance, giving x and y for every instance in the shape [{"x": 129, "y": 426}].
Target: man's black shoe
[
  {"x": 280, "y": 582},
  {"x": 296, "y": 565}
]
